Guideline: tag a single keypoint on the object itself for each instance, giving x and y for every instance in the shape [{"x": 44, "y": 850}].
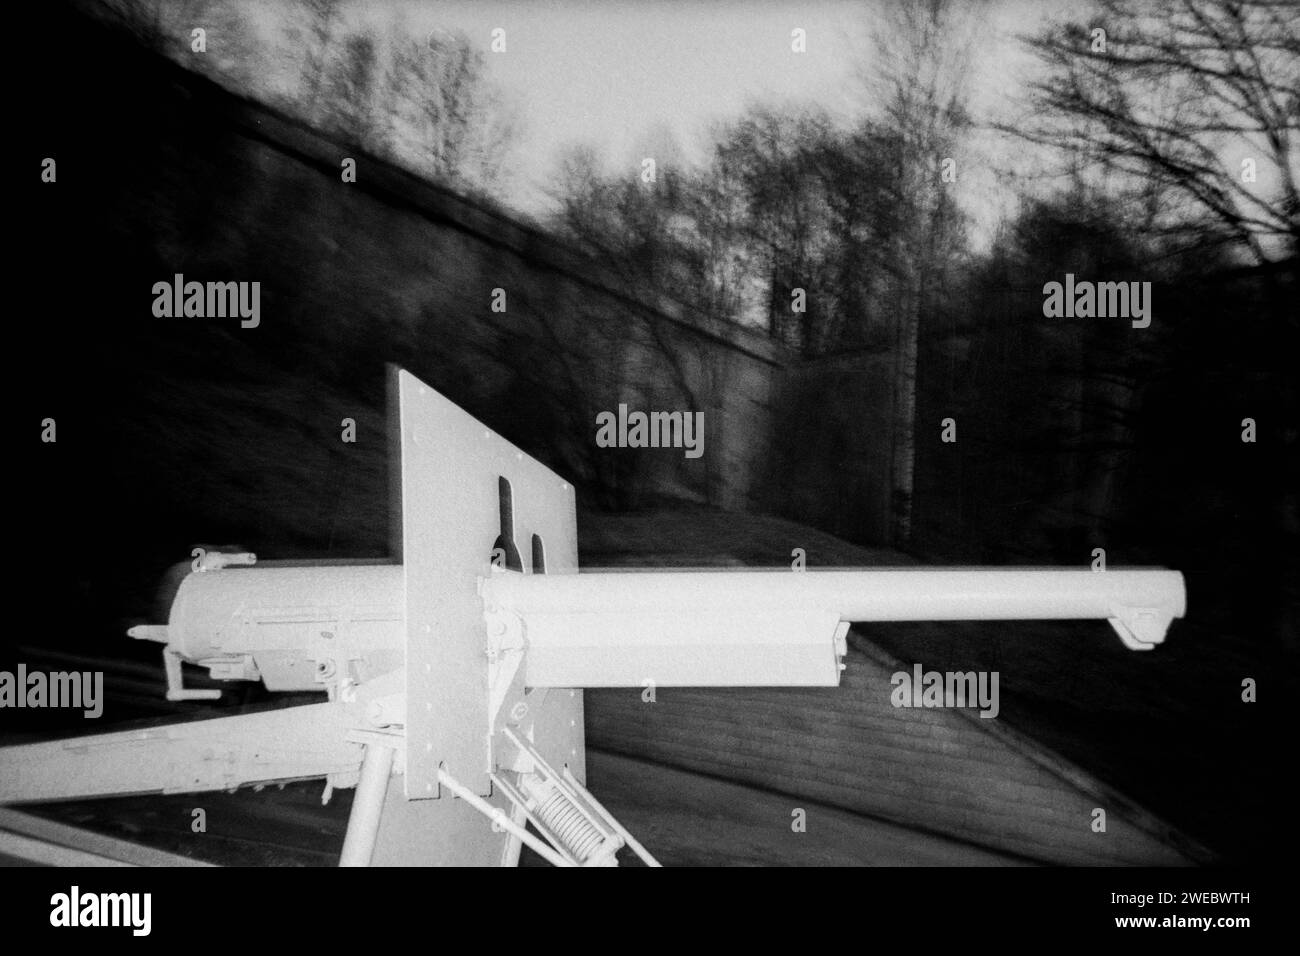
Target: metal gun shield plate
[{"x": 451, "y": 466}]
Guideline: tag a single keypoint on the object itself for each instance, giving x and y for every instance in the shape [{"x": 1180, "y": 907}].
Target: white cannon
[{"x": 461, "y": 669}]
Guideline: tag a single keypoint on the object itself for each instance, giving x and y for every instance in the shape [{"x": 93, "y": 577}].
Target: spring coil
[{"x": 570, "y": 825}]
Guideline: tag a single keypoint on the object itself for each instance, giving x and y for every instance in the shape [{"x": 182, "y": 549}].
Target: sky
[
  {"x": 611, "y": 73},
  {"x": 638, "y": 78},
  {"x": 653, "y": 78},
  {"x": 625, "y": 76}
]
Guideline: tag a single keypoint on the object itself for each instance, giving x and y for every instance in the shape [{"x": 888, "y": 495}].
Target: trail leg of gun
[{"x": 290, "y": 744}]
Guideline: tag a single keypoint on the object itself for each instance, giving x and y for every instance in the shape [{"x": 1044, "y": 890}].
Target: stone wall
[
  {"x": 203, "y": 430},
  {"x": 411, "y": 271}
]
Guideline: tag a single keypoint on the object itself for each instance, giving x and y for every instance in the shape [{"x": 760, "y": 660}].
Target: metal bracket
[
  {"x": 216, "y": 560},
  {"x": 1141, "y": 629},
  {"x": 176, "y": 680}
]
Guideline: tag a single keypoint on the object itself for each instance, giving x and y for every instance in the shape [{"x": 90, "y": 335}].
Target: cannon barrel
[
  {"x": 786, "y": 628},
  {"x": 633, "y": 628},
  {"x": 878, "y": 594}
]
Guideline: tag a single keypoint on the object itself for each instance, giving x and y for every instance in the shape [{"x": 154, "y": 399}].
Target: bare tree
[
  {"x": 1193, "y": 105},
  {"x": 448, "y": 118},
  {"x": 353, "y": 91},
  {"x": 322, "y": 26},
  {"x": 770, "y": 157},
  {"x": 922, "y": 57},
  {"x": 232, "y": 52}
]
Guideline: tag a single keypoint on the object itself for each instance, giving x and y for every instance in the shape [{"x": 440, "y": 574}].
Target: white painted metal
[
  {"x": 500, "y": 818},
  {"x": 302, "y": 628},
  {"x": 175, "y": 676},
  {"x": 451, "y": 468},
  {"x": 723, "y": 646},
  {"x": 50, "y": 854},
  {"x": 295, "y": 743},
  {"x": 619, "y": 629},
  {"x": 630, "y": 840},
  {"x": 875, "y": 594},
  {"x": 578, "y": 831},
  {"x": 515, "y": 845},
  {"x": 367, "y": 806},
  {"x": 724, "y": 628}
]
